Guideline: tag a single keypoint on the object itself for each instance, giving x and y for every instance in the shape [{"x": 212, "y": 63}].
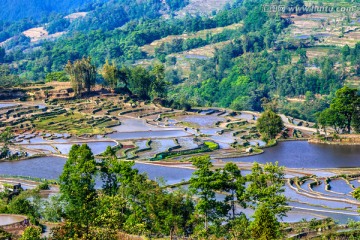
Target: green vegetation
[
  {"x": 6, "y": 137},
  {"x": 269, "y": 125},
  {"x": 5, "y": 140},
  {"x": 77, "y": 186},
  {"x": 34, "y": 9},
  {"x": 206, "y": 147},
  {"x": 82, "y": 75},
  {"x": 265, "y": 225},
  {"x": 8, "y": 79},
  {"x": 57, "y": 76},
  {"x": 343, "y": 113},
  {"x": 4, "y": 234},
  {"x": 251, "y": 64},
  {"x": 75, "y": 123},
  {"x": 240, "y": 57},
  {"x": 212, "y": 145},
  {"x": 32, "y": 233},
  {"x": 130, "y": 202}
]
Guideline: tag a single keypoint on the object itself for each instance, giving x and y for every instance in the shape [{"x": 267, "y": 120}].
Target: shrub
[
  {"x": 212, "y": 145},
  {"x": 57, "y": 76}
]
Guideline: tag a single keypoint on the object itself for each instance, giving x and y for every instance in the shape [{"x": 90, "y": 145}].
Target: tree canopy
[{"x": 269, "y": 124}]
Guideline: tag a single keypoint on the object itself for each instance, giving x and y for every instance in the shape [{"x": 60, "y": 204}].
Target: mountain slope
[{"x": 12, "y": 10}]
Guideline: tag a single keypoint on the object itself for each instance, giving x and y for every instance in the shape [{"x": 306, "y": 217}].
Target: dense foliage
[
  {"x": 130, "y": 202},
  {"x": 19, "y": 9},
  {"x": 269, "y": 125},
  {"x": 343, "y": 113},
  {"x": 251, "y": 66},
  {"x": 82, "y": 75},
  {"x": 103, "y": 42}
]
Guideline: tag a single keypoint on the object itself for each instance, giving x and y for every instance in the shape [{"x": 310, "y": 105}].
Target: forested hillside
[
  {"x": 15, "y": 10},
  {"x": 239, "y": 56},
  {"x": 95, "y": 15}
]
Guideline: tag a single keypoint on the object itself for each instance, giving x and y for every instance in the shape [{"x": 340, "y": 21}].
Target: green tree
[
  {"x": 168, "y": 213},
  {"x": 116, "y": 175},
  {"x": 265, "y": 225},
  {"x": 5, "y": 140},
  {"x": 331, "y": 118},
  {"x": 345, "y": 51},
  {"x": 52, "y": 210},
  {"x": 2, "y": 54},
  {"x": 21, "y": 205},
  {"x": 302, "y": 54},
  {"x": 346, "y": 103},
  {"x": 110, "y": 74},
  {"x": 239, "y": 228},
  {"x": 111, "y": 212},
  {"x": 77, "y": 186},
  {"x": 234, "y": 185},
  {"x": 269, "y": 124},
  {"x": 356, "y": 193},
  {"x": 140, "y": 82},
  {"x": 108, "y": 175},
  {"x": 204, "y": 183},
  {"x": 266, "y": 186},
  {"x": 57, "y": 76},
  {"x": 82, "y": 74},
  {"x": 158, "y": 85},
  {"x": 356, "y": 119},
  {"x": 32, "y": 233},
  {"x": 309, "y": 96},
  {"x": 6, "y": 136}
]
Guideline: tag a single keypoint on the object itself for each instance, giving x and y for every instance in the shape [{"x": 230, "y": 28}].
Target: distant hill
[{"x": 12, "y": 10}]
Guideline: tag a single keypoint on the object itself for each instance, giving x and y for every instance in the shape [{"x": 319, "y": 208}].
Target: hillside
[
  {"x": 234, "y": 57},
  {"x": 15, "y": 10}
]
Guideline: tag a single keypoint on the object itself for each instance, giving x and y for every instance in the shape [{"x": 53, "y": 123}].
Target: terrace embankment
[
  {"x": 349, "y": 139},
  {"x": 7, "y": 94}
]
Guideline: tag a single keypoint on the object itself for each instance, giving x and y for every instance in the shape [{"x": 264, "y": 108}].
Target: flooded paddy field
[
  {"x": 51, "y": 168},
  {"x": 301, "y": 154},
  {"x": 141, "y": 135},
  {"x": 302, "y": 202}
]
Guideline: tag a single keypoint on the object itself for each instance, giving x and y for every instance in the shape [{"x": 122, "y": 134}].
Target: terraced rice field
[{"x": 181, "y": 131}]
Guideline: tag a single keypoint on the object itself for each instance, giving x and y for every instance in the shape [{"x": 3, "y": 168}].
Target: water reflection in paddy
[
  {"x": 44, "y": 167},
  {"x": 210, "y": 131},
  {"x": 294, "y": 196},
  {"x": 10, "y": 219},
  {"x": 257, "y": 143},
  {"x": 223, "y": 141},
  {"x": 315, "y": 212},
  {"x": 135, "y": 125},
  {"x": 187, "y": 143},
  {"x": 169, "y": 174},
  {"x": 158, "y": 146},
  {"x": 146, "y": 135},
  {"x": 38, "y": 140},
  {"x": 321, "y": 189},
  {"x": 96, "y": 147},
  {"x": 356, "y": 183},
  {"x": 141, "y": 144},
  {"x": 5, "y": 105},
  {"x": 301, "y": 154},
  {"x": 51, "y": 168},
  {"x": 340, "y": 186},
  {"x": 246, "y": 116},
  {"x": 42, "y": 147},
  {"x": 201, "y": 120}
]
